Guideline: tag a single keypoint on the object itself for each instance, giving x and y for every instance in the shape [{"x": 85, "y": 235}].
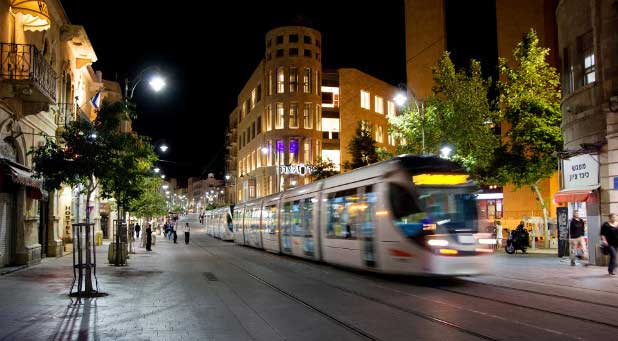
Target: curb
[{"x": 13, "y": 269}]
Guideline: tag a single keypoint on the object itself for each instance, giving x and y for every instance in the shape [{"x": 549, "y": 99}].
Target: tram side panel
[{"x": 270, "y": 234}]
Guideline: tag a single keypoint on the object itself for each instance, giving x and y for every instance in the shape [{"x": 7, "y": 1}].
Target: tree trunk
[{"x": 535, "y": 187}]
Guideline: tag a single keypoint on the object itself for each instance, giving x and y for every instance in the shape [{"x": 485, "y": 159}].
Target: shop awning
[
  {"x": 574, "y": 195},
  {"x": 20, "y": 175},
  {"x": 34, "y": 12}
]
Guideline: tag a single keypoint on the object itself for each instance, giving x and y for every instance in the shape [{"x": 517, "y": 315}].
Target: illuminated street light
[
  {"x": 157, "y": 169},
  {"x": 157, "y": 83},
  {"x": 165, "y": 187},
  {"x": 163, "y": 147},
  {"x": 227, "y": 177},
  {"x": 400, "y": 99},
  {"x": 445, "y": 152},
  {"x": 162, "y": 176}
]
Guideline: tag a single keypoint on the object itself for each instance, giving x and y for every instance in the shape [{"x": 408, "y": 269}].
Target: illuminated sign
[
  {"x": 440, "y": 179},
  {"x": 298, "y": 169}
]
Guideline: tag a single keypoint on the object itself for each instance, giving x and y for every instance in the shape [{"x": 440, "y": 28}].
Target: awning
[
  {"x": 574, "y": 195},
  {"x": 34, "y": 12},
  {"x": 22, "y": 177}
]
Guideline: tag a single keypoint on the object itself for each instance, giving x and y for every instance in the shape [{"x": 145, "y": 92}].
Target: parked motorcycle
[{"x": 518, "y": 239}]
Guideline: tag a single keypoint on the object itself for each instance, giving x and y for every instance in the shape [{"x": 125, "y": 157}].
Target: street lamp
[
  {"x": 163, "y": 148},
  {"x": 162, "y": 176},
  {"x": 157, "y": 169},
  {"x": 445, "y": 152},
  {"x": 401, "y": 99},
  {"x": 157, "y": 83}
]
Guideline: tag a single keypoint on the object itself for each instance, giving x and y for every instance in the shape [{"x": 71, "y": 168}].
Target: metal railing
[
  {"x": 67, "y": 113},
  {"x": 25, "y": 62}
]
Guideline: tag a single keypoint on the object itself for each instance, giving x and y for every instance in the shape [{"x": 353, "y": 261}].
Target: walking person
[
  {"x": 187, "y": 232},
  {"x": 609, "y": 239},
  {"x": 175, "y": 234},
  {"x": 137, "y": 229},
  {"x": 170, "y": 233},
  {"x": 576, "y": 239},
  {"x": 149, "y": 238}
]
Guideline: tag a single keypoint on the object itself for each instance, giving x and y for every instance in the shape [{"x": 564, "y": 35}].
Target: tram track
[
  {"x": 463, "y": 293},
  {"x": 358, "y": 331}
]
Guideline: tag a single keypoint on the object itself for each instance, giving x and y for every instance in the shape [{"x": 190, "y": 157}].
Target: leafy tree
[
  {"x": 530, "y": 106},
  {"x": 151, "y": 203},
  {"x": 362, "y": 148},
  {"x": 323, "y": 169},
  {"x": 383, "y": 154}
]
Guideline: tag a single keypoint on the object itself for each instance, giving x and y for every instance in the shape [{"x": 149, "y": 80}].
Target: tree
[
  {"x": 457, "y": 113},
  {"x": 151, "y": 203},
  {"x": 530, "y": 105},
  {"x": 362, "y": 148},
  {"x": 323, "y": 169}
]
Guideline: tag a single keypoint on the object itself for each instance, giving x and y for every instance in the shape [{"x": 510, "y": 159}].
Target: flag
[{"x": 96, "y": 100}]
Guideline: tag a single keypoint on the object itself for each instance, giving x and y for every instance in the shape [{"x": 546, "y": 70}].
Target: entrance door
[{"x": 7, "y": 228}]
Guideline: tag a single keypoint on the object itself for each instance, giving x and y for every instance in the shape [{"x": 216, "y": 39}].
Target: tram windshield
[{"x": 434, "y": 209}]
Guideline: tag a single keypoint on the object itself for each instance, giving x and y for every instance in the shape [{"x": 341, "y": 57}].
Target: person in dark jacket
[
  {"x": 576, "y": 238},
  {"x": 149, "y": 238},
  {"x": 137, "y": 229},
  {"x": 609, "y": 239}
]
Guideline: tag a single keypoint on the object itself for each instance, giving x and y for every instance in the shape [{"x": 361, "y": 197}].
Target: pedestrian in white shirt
[{"x": 187, "y": 232}]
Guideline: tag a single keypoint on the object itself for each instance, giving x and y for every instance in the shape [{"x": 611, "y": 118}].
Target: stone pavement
[{"x": 213, "y": 290}]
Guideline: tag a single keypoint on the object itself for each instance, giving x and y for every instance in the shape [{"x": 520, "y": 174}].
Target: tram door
[{"x": 367, "y": 223}]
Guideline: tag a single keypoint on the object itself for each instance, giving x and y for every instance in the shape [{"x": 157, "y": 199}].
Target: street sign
[{"x": 581, "y": 171}]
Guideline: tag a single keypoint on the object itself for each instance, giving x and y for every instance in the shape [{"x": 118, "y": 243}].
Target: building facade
[
  {"x": 588, "y": 46},
  {"x": 290, "y": 114},
  {"x": 46, "y": 81}
]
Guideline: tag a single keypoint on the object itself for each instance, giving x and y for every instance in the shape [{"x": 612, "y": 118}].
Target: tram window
[
  {"x": 286, "y": 219},
  {"x": 296, "y": 226},
  {"x": 368, "y": 209},
  {"x": 271, "y": 213},
  {"x": 407, "y": 214},
  {"x": 307, "y": 217},
  {"x": 343, "y": 209},
  {"x": 255, "y": 221}
]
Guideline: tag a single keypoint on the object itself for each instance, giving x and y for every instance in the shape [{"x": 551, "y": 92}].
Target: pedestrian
[
  {"x": 175, "y": 234},
  {"x": 170, "y": 234},
  {"x": 149, "y": 238},
  {"x": 137, "y": 229},
  {"x": 187, "y": 232},
  {"x": 609, "y": 239},
  {"x": 576, "y": 238}
]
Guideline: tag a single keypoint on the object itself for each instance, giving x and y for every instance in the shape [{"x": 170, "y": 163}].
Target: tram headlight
[{"x": 437, "y": 242}]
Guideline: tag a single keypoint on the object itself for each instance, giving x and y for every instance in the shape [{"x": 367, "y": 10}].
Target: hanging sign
[{"x": 581, "y": 171}]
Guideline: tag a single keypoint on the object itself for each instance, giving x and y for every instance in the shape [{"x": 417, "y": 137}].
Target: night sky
[{"x": 208, "y": 53}]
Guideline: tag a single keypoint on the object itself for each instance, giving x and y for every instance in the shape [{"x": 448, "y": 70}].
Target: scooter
[{"x": 517, "y": 240}]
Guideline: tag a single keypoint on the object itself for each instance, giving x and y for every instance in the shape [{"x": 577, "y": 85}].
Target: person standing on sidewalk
[
  {"x": 137, "y": 229},
  {"x": 576, "y": 238},
  {"x": 149, "y": 238},
  {"x": 173, "y": 229},
  {"x": 609, "y": 238},
  {"x": 187, "y": 232}
]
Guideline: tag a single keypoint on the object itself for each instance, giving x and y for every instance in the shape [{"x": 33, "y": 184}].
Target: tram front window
[{"x": 435, "y": 210}]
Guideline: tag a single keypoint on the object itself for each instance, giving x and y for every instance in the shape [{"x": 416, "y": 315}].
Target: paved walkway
[{"x": 213, "y": 290}]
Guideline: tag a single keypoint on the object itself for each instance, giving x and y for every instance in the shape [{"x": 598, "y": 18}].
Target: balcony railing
[
  {"x": 23, "y": 62},
  {"x": 69, "y": 112}
]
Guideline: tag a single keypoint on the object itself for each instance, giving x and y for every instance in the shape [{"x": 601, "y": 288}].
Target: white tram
[
  {"x": 218, "y": 223},
  {"x": 407, "y": 215}
]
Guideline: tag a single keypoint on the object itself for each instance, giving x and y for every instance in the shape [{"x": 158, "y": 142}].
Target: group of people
[
  {"x": 169, "y": 231},
  {"x": 609, "y": 240}
]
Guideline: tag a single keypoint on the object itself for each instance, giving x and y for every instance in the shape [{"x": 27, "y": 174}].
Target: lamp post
[{"x": 401, "y": 99}]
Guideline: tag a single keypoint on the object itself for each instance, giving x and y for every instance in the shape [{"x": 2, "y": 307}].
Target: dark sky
[{"x": 208, "y": 53}]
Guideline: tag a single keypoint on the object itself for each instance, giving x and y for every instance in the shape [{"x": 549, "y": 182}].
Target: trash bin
[{"x": 99, "y": 239}]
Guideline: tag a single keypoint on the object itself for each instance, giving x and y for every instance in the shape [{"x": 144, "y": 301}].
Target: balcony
[
  {"x": 29, "y": 77},
  {"x": 69, "y": 112}
]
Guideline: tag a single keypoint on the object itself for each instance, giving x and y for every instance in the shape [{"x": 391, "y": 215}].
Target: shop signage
[
  {"x": 581, "y": 171},
  {"x": 297, "y": 169},
  {"x": 562, "y": 213}
]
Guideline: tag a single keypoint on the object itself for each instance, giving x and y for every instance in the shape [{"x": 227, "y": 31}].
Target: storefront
[{"x": 580, "y": 192}]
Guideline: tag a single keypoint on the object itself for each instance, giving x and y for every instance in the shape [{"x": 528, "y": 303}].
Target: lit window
[
  {"x": 279, "y": 121},
  {"x": 281, "y": 80},
  {"x": 245, "y": 109},
  {"x": 253, "y": 161},
  {"x": 293, "y": 115},
  {"x": 332, "y": 155},
  {"x": 269, "y": 158},
  {"x": 307, "y": 151},
  {"x": 379, "y": 134},
  {"x": 330, "y": 97},
  {"x": 365, "y": 100},
  {"x": 270, "y": 82},
  {"x": 390, "y": 108},
  {"x": 269, "y": 117},
  {"x": 258, "y": 156},
  {"x": 365, "y": 125},
  {"x": 307, "y": 116},
  {"x": 379, "y": 105},
  {"x": 391, "y": 139},
  {"x": 293, "y": 79},
  {"x": 316, "y": 79},
  {"x": 293, "y": 158},
  {"x": 280, "y": 152},
  {"x": 589, "y": 75},
  {"x": 253, "y": 98},
  {"x": 307, "y": 80},
  {"x": 318, "y": 117},
  {"x": 330, "y": 128}
]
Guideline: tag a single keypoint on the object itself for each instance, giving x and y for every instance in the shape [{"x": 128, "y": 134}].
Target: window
[
  {"x": 342, "y": 214},
  {"x": 306, "y": 222},
  {"x": 307, "y": 39},
  {"x": 390, "y": 108},
  {"x": 293, "y": 52},
  {"x": 318, "y": 150},
  {"x": 317, "y": 82},
  {"x": 318, "y": 117},
  {"x": 258, "y": 95},
  {"x": 379, "y": 134},
  {"x": 308, "y": 53},
  {"x": 333, "y": 155},
  {"x": 259, "y": 125},
  {"x": 280, "y": 80},
  {"x": 307, "y": 151},
  {"x": 378, "y": 105},
  {"x": 269, "y": 217},
  {"x": 589, "y": 76},
  {"x": 269, "y": 117},
  {"x": 365, "y": 125},
  {"x": 279, "y": 53},
  {"x": 252, "y": 131},
  {"x": 253, "y": 98},
  {"x": 391, "y": 139},
  {"x": 330, "y": 96},
  {"x": 293, "y": 158},
  {"x": 269, "y": 56},
  {"x": 330, "y": 128},
  {"x": 244, "y": 109},
  {"x": 365, "y": 100},
  {"x": 567, "y": 72},
  {"x": 280, "y": 152},
  {"x": 258, "y": 157},
  {"x": 293, "y": 115},
  {"x": 308, "y": 116},
  {"x": 586, "y": 57},
  {"x": 279, "y": 40},
  {"x": 317, "y": 43},
  {"x": 279, "y": 120},
  {"x": 293, "y": 79},
  {"x": 307, "y": 80},
  {"x": 270, "y": 82},
  {"x": 293, "y": 38},
  {"x": 269, "y": 157}
]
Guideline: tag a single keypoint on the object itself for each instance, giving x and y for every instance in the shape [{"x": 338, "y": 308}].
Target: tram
[{"x": 408, "y": 215}]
